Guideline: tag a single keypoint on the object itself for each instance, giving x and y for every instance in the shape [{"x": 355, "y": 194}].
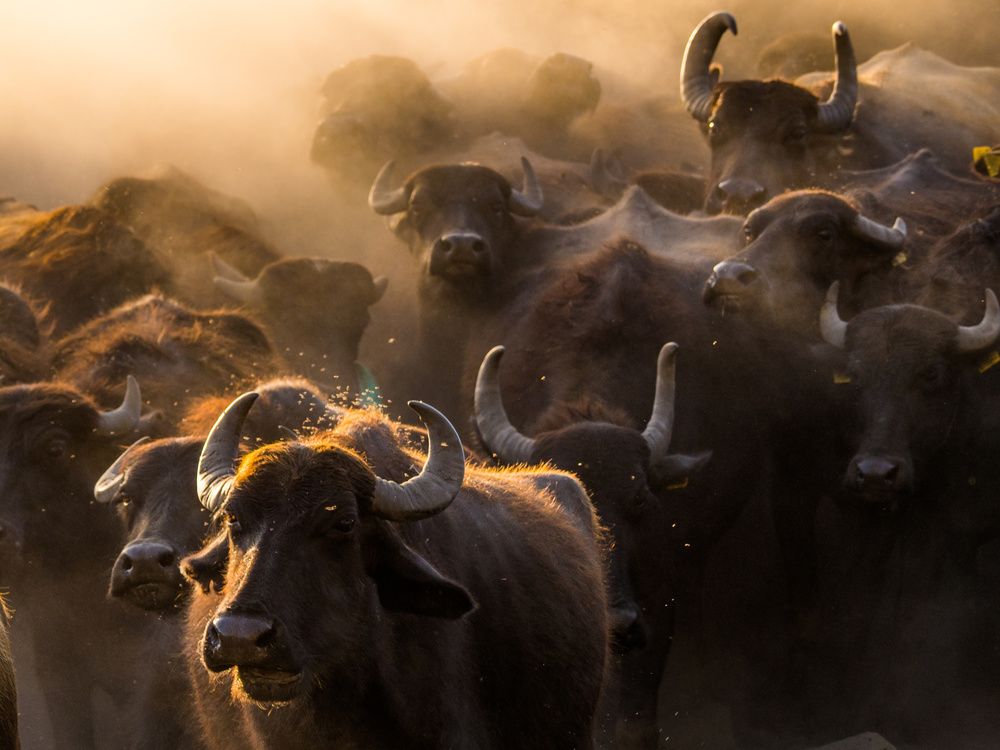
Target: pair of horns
[
  {"x": 511, "y": 447},
  {"x": 698, "y": 78},
  {"x": 425, "y": 495},
  {"x": 970, "y": 338},
  {"x": 386, "y": 201}
]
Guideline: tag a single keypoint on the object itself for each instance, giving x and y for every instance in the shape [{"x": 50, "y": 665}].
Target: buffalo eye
[
  {"x": 714, "y": 131},
  {"x": 233, "y": 524},
  {"x": 498, "y": 208},
  {"x": 797, "y": 135},
  {"x": 826, "y": 234},
  {"x": 53, "y": 449},
  {"x": 930, "y": 379},
  {"x": 749, "y": 235},
  {"x": 344, "y": 525}
]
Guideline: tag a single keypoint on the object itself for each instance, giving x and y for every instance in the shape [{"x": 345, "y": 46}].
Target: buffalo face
[
  {"x": 458, "y": 220},
  {"x": 766, "y": 136},
  {"x": 310, "y": 558},
  {"x": 908, "y": 366},
  {"x": 797, "y": 245}
]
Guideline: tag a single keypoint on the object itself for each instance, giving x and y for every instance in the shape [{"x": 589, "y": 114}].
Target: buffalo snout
[
  {"x": 736, "y": 196},
  {"x": 733, "y": 284},
  {"x": 879, "y": 479},
  {"x": 459, "y": 253},
  {"x": 628, "y": 630},
  {"x": 147, "y": 575},
  {"x": 238, "y": 639}
]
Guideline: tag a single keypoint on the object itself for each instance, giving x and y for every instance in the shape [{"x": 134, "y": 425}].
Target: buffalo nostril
[
  {"x": 747, "y": 277},
  {"x": 166, "y": 558},
  {"x": 126, "y": 563},
  {"x": 479, "y": 247}
]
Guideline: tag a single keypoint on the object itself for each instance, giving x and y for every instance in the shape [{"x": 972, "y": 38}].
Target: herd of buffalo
[{"x": 678, "y": 428}]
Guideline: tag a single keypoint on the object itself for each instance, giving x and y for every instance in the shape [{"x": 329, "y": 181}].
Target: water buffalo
[
  {"x": 770, "y": 136},
  {"x": 56, "y": 552},
  {"x": 315, "y": 310},
  {"x": 796, "y": 246},
  {"x": 626, "y": 473},
  {"x": 78, "y": 262},
  {"x": 395, "y": 617}
]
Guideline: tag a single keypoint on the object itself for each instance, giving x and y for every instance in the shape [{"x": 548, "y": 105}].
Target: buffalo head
[
  {"x": 312, "y": 561},
  {"x": 458, "y": 220},
  {"x": 766, "y": 136},
  {"x": 796, "y": 246},
  {"x": 907, "y": 364}
]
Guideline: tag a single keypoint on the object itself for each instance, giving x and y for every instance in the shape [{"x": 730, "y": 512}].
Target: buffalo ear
[
  {"x": 408, "y": 583},
  {"x": 677, "y": 467},
  {"x": 207, "y": 568}
]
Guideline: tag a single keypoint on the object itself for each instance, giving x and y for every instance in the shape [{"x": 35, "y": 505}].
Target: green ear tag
[{"x": 840, "y": 378}]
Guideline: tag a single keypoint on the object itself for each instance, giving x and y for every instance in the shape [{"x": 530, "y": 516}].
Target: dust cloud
[{"x": 228, "y": 91}]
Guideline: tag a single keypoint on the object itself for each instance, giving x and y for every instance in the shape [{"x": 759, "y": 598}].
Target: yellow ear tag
[
  {"x": 679, "y": 485},
  {"x": 840, "y": 378},
  {"x": 991, "y": 360},
  {"x": 989, "y": 157},
  {"x": 900, "y": 259}
]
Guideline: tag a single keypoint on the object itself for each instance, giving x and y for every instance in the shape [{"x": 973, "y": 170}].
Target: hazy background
[{"x": 228, "y": 90}]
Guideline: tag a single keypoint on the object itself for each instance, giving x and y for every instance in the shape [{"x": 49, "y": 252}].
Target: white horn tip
[
  {"x": 900, "y": 225},
  {"x": 832, "y": 293},
  {"x": 839, "y": 29}
]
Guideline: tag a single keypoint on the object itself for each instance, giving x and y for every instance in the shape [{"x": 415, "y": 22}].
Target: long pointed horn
[
  {"x": 126, "y": 417},
  {"x": 500, "y": 436},
  {"x": 107, "y": 486},
  {"x": 977, "y": 337},
  {"x": 382, "y": 199},
  {"x": 893, "y": 236},
  {"x": 696, "y": 77},
  {"x": 660, "y": 427},
  {"x": 217, "y": 464},
  {"x": 836, "y": 113},
  {"x": 529, "y": 201},
  {"x": 431, "y": 491},
  {"x": 831, "y": 325},
  {"x": 247, "y": 292}
]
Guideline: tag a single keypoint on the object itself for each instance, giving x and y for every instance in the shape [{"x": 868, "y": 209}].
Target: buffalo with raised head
[
  {"x": 796, "y": 246},
  {"x": 626, "y": 473},
  {"x": 770, "y": 136},
  {"x": 363, "y": 607}
]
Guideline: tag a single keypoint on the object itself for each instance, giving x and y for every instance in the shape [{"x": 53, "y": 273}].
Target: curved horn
[
  {"x": 247, "y": 292},
  {"x": 831, "y": 325},
  {"x": 977, "y": 337},
  {"x": 836, "y": 113},
  {"x": 500, "y": 436},
  {"x": 601, "y": 180},
  {"x": 217, "y": 463},
  {"x": 893, "y": 236},
  {"x": 529, "y": 201},
  {"x": 696, "y": 77},
  {"x": 660, "y": 427},
  {"x": 223, "y": 269},
  {"x": 431, "y": 491},
  {"x": 107, "y": 486},
  {"x": 382, "y": 199},
  {"x": 126, "y": 417}
]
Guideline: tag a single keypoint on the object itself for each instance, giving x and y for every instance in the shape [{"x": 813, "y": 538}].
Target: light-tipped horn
[
  {"x": 984, "y": 334},
  {"x": 431, "y": 491},
  {"x": 107, "y": 486},
  {"x": 382, "y": 199},
  {"x": 247, "y": 292},
  {"x": 529, "y": 200},
  {"x": 125, "y": 418},
  {"x": 831, "y": 325},
  {"x": 836, "y": 113},
  {"x": 501, "y": 437},
  {"x": 696, "y": 75},
  {"x": 217, "y": 464},
  {"x": 892, "y": 237},
  {"x": 660, "y": 427},
  {"x": 223, "y": 269}
]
